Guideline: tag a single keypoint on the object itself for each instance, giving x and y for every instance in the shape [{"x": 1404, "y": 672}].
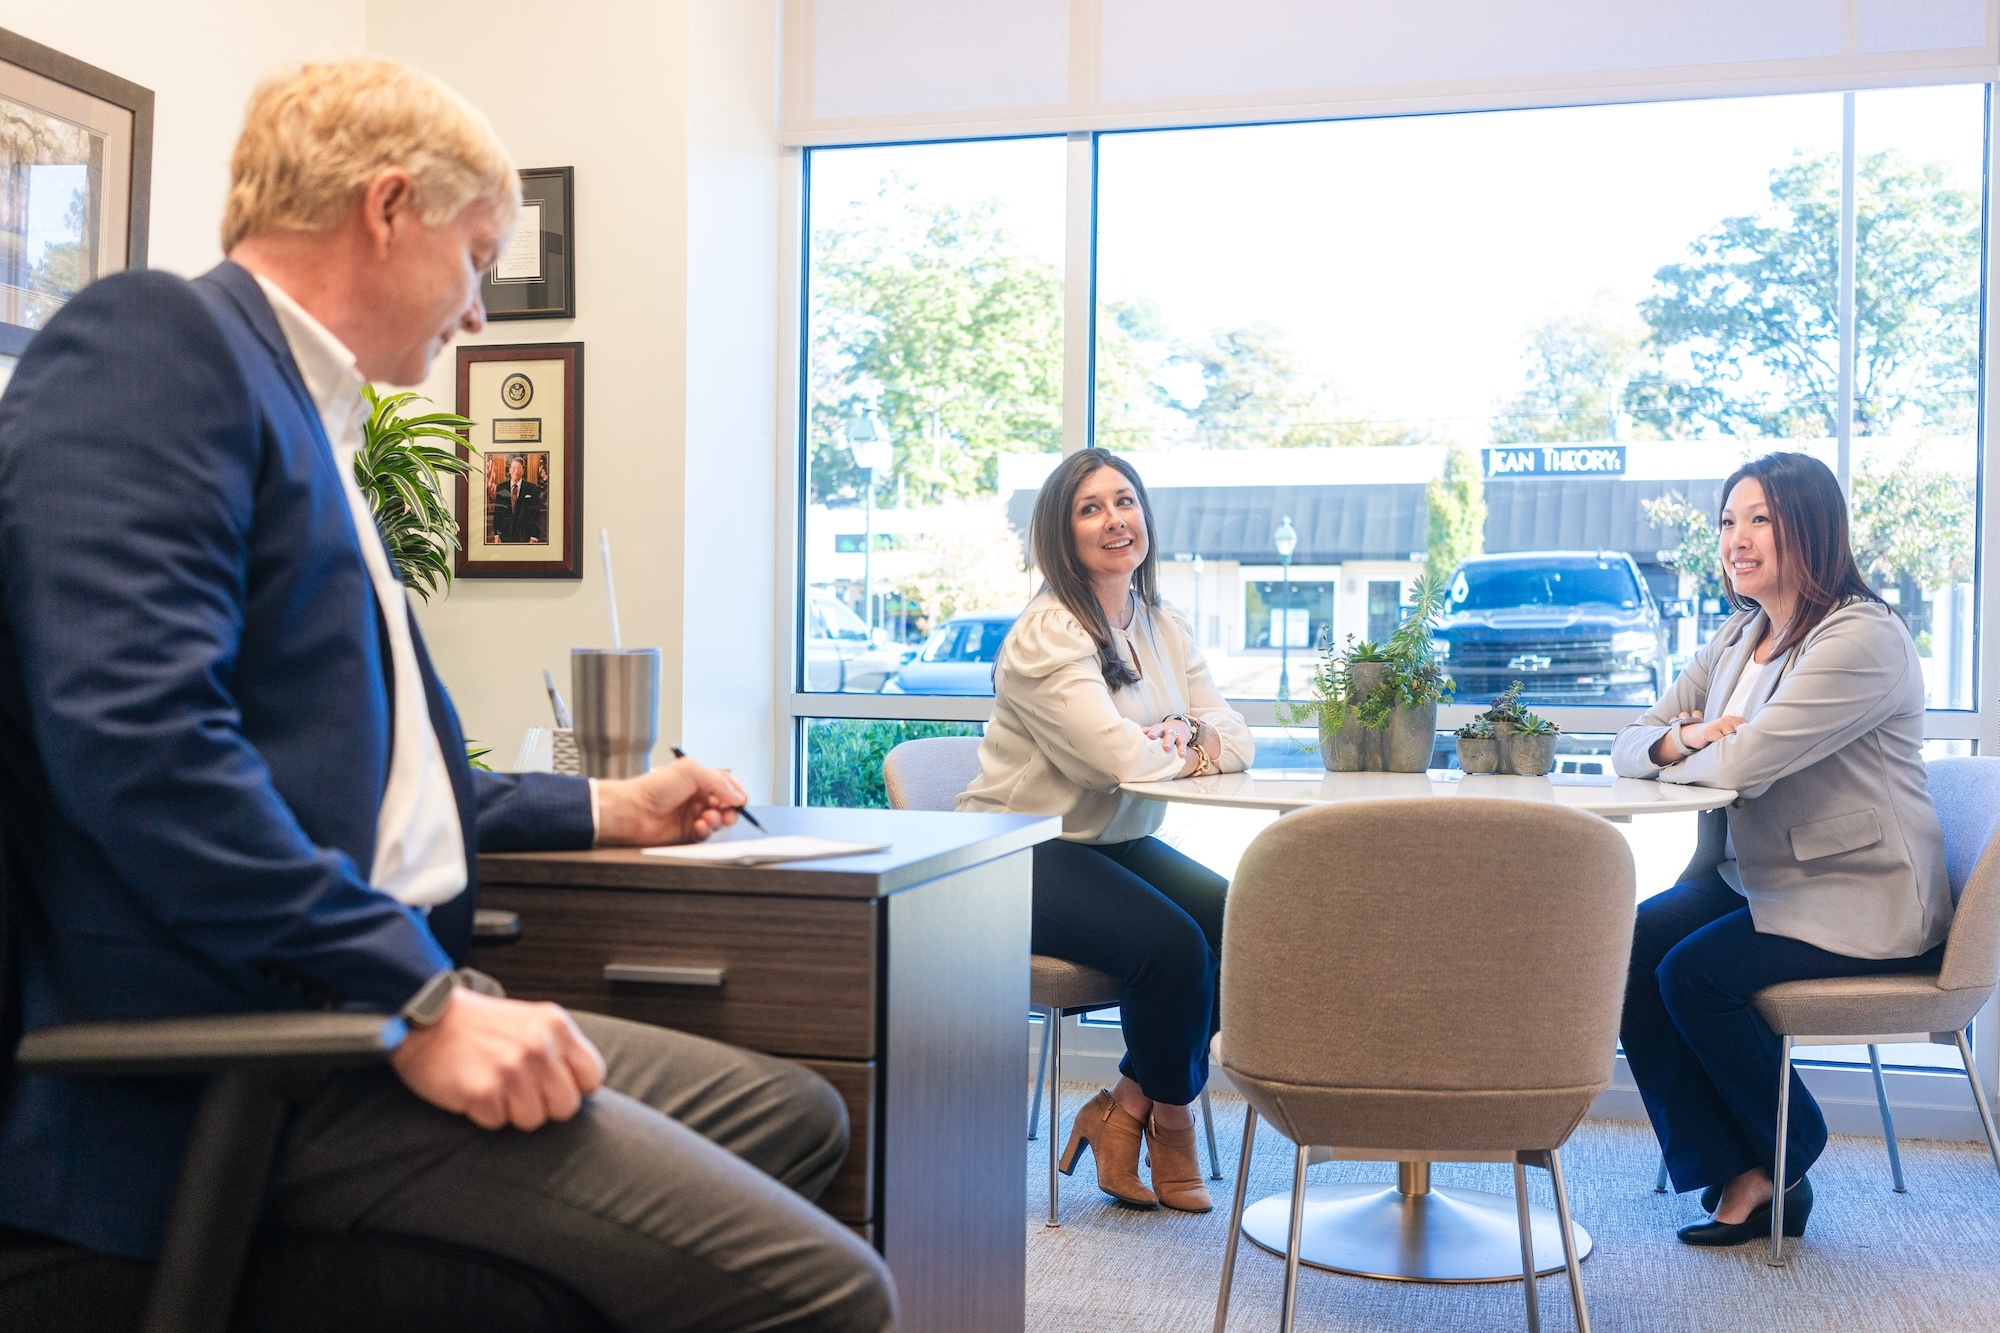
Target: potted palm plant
[
  {"x": 402, "y": 467},
  {"x": 1376, "y": 704}
]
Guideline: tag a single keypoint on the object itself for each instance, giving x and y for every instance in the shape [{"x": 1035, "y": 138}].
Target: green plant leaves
[{"x": 402, "y": 472}]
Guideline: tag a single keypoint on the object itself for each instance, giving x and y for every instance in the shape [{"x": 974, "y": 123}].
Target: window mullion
[
  {"x": 1079, "y": 294},
  {"x": 1844, "y": 420}
]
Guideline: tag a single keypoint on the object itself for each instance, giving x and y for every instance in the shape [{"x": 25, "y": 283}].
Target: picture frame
[
  {"x": 535, "y": 276},
  {"x": 76, "y": 169},
  {"x": 521, "y": 508}
]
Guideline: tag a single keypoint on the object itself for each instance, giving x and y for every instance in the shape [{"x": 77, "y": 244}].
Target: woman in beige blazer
[
  {"x": 1100, "y": 683},
  {"x": 1809, "y": 703}
]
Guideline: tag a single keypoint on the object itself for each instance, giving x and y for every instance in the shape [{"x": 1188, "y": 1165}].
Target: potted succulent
[
  {"x": 1531, "y": 747},
  {"x": 1376, "y": 704},
  {"x": 1478, "y": 747}
]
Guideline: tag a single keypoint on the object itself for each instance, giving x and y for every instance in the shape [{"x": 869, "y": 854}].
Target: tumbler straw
[{"x": 610, "y": 590}]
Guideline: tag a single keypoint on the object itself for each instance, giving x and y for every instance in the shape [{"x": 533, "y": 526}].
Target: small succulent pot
[
  {"x": 1479, "y": 754},
  {"x": 1409, "y": 738},
  {"x": 1530, "y": 756}
]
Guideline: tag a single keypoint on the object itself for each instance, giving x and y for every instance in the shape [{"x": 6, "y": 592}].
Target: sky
[{"x": 1407, "y": 258}]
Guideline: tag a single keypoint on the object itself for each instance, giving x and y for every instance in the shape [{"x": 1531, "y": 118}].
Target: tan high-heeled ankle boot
[
  {"x": 1113, "y": 1137},
  {"x": 1176, "y": 1169}
]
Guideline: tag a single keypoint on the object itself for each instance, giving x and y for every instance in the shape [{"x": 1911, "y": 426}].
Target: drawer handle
[{"x": 651, "y": 974}]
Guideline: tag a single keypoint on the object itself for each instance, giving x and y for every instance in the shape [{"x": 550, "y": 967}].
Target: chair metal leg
[
  {"x": 1055, "y": 1108},
  {"x": 1208, "y": 1123},
  {"x": 1888, "y": 1120},
  {"x": 1979, "y": 1097},
  {"x": 1527, "y": 1249},
  {"x": 1778, "y": 1168},
  {"x": 1569, "y": 1243},
  {"x": 1049, "y": 1020},
  {"x": 1235, "y": 1219},
  {"x": 1660, "y": 1181},
  {"x": 1289, "y": 1309}
]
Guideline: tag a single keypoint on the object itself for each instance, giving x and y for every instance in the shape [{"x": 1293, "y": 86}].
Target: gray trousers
[{"x": 677, "y": 1199}]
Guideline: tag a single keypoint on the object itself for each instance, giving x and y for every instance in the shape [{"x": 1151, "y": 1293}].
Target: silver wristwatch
[
  {"x": 427, "y": 1006},
  {"x": 1675, "y": 732}
]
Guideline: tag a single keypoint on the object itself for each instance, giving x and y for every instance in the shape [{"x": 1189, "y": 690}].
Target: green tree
[
  {"x": 929, "y": 313},
  {"x": 1914, "y": 519},
  {"x": 1257, "y": 395},
  {"x": 1457, "y": 503},
  {"x": 1755, "y": 311},
  {"x": 1578, "y": 367},
  {"x": 1699, "y": 554}
]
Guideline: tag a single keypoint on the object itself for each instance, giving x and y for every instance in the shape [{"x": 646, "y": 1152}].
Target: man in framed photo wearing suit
[
  {"x": 520, "y": 508},
  {"x": 244, "y": 787}
]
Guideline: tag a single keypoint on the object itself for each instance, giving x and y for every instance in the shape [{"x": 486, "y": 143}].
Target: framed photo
[
  {"x": 521, "y": 508},
  {"x": 535, "y": 276},
  {"x": 76, "y": 166}
]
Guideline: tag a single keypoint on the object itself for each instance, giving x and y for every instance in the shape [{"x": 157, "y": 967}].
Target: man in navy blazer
[{"x": 212, "y": 801}]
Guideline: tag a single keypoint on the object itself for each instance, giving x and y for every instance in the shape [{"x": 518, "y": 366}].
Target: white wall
[
  {"x": 201, "y": 62},
  {"x": 667, "y": 113}
]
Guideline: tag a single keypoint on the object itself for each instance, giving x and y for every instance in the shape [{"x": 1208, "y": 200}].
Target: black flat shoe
[
  {"x": 1711, "y": 1198},
  {"x": 1757, "y": 1226}
]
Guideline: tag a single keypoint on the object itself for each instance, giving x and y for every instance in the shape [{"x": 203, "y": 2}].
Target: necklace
[{"x": 1130, "y": 611}]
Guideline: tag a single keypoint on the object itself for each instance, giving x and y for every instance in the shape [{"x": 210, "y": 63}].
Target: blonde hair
[{"x": 314, "y": 136}]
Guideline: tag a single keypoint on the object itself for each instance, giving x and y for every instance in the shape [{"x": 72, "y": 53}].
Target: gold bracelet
[{"x": 1201, "y": 755}]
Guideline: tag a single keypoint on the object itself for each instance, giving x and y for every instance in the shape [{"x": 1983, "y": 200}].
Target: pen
[
  {"x": 563, "y": 718},
  {"x": 743, "y": 810}
]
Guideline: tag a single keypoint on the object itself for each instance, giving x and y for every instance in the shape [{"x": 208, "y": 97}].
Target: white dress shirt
[
  {"x": 1061, "y": 741},
  {"x": 419, "y": 845}
]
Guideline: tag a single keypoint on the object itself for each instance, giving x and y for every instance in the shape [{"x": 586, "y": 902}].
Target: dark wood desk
[{"x": 901, "y": 977}]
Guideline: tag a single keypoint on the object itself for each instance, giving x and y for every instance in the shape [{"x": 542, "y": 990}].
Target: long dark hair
[
  {"x": 1809, "y": 523},
  {"x": 1053, "y": 549}
]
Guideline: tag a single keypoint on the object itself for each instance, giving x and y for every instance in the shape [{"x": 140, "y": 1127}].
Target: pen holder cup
[
  {"x": 617, "y": 693},
  {"x": 564, "y": 757}
]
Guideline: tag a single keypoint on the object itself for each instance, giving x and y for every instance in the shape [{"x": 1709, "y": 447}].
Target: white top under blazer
[{"x": 1061, "y": 741}]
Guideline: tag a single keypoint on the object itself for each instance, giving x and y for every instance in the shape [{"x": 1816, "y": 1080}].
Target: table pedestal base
[{"x": 1410, "y": 1234}]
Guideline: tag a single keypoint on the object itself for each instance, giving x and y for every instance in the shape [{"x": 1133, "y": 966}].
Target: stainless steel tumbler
[{"x": 617, "y": 694}]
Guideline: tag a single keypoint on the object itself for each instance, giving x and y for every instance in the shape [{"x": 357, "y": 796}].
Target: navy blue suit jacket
[{"x": 194, "y": 726}]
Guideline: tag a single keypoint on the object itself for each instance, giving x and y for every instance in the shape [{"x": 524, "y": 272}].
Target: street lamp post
[
  {"x": 1286, "y": 539},
  {"x": 870, "y": 445}
]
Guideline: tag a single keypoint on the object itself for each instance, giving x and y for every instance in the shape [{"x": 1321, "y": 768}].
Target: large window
[
  {"x": 1522, "y": 350},
  {"x": 934, "y": 358}
]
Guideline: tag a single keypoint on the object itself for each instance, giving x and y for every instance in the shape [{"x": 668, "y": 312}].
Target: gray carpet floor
[{"x": 1872, "y": 1259}]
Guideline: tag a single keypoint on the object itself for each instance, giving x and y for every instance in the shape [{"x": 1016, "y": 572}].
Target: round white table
[{"x": 1415, "y": 1232}]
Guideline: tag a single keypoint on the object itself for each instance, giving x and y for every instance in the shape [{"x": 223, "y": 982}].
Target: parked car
[
  {"x": 1575, "y": 627},
  {"x": 958, "y": 657},
  {"x": 840, "y": 654}
]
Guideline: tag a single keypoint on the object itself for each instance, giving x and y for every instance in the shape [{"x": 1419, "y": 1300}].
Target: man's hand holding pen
[{"x": 682, "y": 802}]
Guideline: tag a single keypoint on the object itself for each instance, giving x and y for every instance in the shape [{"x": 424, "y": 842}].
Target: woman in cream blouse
[
  {"x": 1100, "y": 683},
  {"x": 1809, "y": 703}
]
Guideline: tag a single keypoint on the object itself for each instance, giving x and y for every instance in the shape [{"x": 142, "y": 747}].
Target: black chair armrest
[
  {"x": 248, "y": 1043},
  {"x": 492, "y": 928}
]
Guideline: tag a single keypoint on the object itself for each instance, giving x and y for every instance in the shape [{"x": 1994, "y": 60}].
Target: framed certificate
[
  {"x": 521, "y": 507},
  {"x": 535, "y": 275},
  {"x": 76, "y": 166}
]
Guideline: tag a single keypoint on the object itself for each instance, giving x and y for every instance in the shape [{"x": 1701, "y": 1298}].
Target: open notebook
[{"x": 763, "y": 851}]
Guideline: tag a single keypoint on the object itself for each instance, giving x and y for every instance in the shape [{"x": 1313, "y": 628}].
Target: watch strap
[{"x": 427, "y": 1006}]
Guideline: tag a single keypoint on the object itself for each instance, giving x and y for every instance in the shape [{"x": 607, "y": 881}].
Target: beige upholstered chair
[
  {"x": 1424, "y": 980},
  {"x": 929, "y": 774},
  {"x": 1910, "y": 1007}
]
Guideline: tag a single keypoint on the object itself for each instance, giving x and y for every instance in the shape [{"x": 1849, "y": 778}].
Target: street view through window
[{"x": 1520, "y": 350}]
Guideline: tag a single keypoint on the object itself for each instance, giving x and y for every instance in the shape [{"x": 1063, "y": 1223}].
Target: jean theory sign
[{"x": 1556, "y": 460}]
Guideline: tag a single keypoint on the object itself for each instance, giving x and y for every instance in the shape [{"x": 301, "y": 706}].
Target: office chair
[{"x": 217, "y": 1269}]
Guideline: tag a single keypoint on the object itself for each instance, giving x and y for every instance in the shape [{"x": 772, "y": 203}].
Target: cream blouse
[{"x": 1061, "y": 741}]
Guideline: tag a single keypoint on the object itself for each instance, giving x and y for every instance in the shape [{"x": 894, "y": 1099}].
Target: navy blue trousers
[
  {"x": 1141, "y": 912},
  {"x": 1705, "y": 1063}
]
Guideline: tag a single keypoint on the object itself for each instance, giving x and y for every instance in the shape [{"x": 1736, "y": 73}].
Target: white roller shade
[{"x": 873, "y": 70}]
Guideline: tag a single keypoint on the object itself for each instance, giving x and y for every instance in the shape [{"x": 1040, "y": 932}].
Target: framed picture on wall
[
  {"x": 76, "y": 164},
  {"x": 520, "y": 509},
  {"x": 535, "y": 275}
]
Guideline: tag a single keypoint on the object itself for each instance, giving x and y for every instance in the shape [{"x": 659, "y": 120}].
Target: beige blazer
[
  {"x": 1836, "y": 838},
  {"x": 1061, "y": 742}
]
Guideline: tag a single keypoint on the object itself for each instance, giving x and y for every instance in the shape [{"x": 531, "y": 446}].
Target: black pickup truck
[{"x": 1575, "y": 627}]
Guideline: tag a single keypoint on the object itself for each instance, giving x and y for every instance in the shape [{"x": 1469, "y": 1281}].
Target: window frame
[{"x": 1848, "y": 1096}]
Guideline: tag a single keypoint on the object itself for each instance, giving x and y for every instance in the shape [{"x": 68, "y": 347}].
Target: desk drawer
[
  {"x": 850, "y": 1195},
  {"x": 788, "y": 976}
]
